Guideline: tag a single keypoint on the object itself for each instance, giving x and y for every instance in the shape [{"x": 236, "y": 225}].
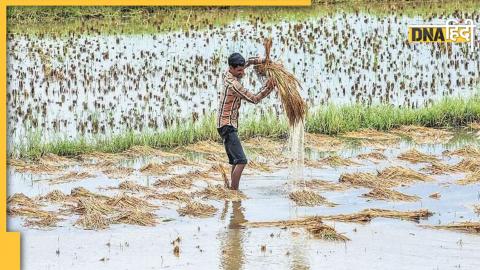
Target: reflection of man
[
  {"x": 232, "y": 250},
  {"x": 227, "y": 120}
]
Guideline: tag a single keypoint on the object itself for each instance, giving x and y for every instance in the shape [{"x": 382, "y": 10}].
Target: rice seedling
[
  {"x": 197, "y": 209},
  {"x": 367, "y": 215},
  {"x": 313, "y": 225},
  {"x": 389, "y": 195},
  {"x": 471, "y": 178},
  {"x": 466, "y": 227},
  {"x": 308, "y": 198},
  {"x": 217, "y": 192},
  {"x": 414, "y": 156}
]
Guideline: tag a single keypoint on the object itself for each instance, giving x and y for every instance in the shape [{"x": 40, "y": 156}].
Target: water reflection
[{"x": 233, "y": 256}]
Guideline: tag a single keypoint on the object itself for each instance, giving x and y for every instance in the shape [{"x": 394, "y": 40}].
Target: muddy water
[
  {"x": 220, "y": 243},
  {"x": 106, "y": 84}
]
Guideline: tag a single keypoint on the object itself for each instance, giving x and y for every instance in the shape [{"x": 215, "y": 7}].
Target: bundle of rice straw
[
  {"x": 295, "y": 108},
  {"x": 288, "y": 86}
]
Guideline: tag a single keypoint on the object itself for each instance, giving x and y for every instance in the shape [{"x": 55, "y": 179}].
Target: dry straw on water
[
  {"x": 467, "y": 227},
  {"x": 390, "y": 195},
  {"x": 313, "y": 225},
  {"x": 308, "y": 198},
  {"x": 218, "y": 192},
  {"x": 415, "y": 156},
  {"x": 197, "y": 209},
  {"x": 367, "y": 215}
]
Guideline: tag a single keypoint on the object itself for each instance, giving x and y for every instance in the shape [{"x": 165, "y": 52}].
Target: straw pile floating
[
  {"x": 324, "y": 185},
  {"x": 386, "y": 194},
  {"x": 176, "y": 196},
  {"x": 54, "y": 196},
  {"x": 403, "y": 175},
  {"x": 218, "y": 192},
  {"x": 313, "y": 225},
  {"x": 197, "y": 209},
  {"x": 308, "y": 198},
  {"x": 372, "y": 156},
  {"x": 414, "y": 156},
  {"x": 132, "y": 186},
  {"x": 469, "y": 165},
  {"x": 472, "y": 178},
  {"x": 367, "y": 215},
  {"x": 466, "y": 227},
  {"x": 440, "y": 168}
]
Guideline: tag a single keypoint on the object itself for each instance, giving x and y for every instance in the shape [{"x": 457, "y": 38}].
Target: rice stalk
[
  {"x": 389, "y": 195},
  {"x": 197, "y": 209},
  {"x": 367, "y": 215}
]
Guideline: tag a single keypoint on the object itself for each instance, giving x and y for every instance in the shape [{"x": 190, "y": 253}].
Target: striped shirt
[{"x": 231, "y": 97}]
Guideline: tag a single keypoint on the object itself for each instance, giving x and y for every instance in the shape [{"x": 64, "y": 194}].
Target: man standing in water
[{"x": 229, "y": 104}]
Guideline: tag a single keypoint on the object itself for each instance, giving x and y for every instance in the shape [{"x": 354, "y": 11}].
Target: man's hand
[
  {"x": 270, "y": 84},
  {"x": 255, "y": 60}
]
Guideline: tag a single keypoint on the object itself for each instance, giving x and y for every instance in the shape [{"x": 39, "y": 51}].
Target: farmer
[{"x": 231, "y": 97}]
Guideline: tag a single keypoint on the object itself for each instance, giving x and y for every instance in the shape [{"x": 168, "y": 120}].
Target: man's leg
[
  {"x": 237, "y": 173},
  {"x": 231, "y": 171}
]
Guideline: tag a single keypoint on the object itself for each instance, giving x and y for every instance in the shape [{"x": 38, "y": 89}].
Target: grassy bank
[
  {"x": 331, "y": 120},
  {"x": 137, "y": 20}
]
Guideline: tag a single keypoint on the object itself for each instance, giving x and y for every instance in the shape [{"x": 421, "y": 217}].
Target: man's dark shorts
[{"x": 232, "y": 144}]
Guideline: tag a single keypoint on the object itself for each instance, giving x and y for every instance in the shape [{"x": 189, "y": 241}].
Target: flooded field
[
  {"x": 87, "y": 85},
  {"x": 184, "y": 217},
  {"x": 406, "y": 197}
]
